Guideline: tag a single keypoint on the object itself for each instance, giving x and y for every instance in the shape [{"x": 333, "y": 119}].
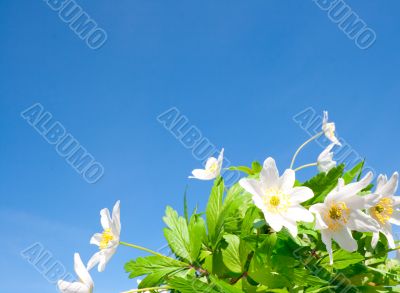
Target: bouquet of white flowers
[{"x": 269, "y": 233}]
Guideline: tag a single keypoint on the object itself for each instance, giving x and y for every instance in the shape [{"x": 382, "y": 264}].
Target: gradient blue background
[{"x": 239, "y": 70}]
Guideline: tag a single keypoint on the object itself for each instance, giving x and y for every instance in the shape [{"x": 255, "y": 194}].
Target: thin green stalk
[
  {"x": 143, "y": 249},
  {"x": 305, "y": 166},
  {"x": 302, "y": 146}
]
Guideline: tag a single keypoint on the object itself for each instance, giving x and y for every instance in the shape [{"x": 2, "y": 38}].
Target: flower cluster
[{"x": 269, "y": 233}]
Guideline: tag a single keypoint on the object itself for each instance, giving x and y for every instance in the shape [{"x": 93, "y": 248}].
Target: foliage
[{"x": 232, "y": 249}]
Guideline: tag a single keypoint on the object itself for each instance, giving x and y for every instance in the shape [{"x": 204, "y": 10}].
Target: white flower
[
  {"x": 329, "y": 129},
  {"x": 325, "y": 160},
  {"x": 212, "y": 169},
  {"x": 277, "y": 198},
  {"x": 107, "y": 241},
  {"x": 386, "y": 210},
  {"x": 341, "y": 212},
  {"x": 85, "y": 283}
]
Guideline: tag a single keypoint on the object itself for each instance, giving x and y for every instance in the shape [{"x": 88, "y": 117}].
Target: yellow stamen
[
  {"x": 106, "y": 238},
  {"x": 276, "y": 201},
  {"x": 213, "y": 167},
  {"x": 337, "y": 215},
  {"x": 383, "y": 211}
]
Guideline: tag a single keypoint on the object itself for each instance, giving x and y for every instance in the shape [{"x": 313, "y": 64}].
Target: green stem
[
  {"x": 305, "y": 166},
  {"x": 142, "y": 248},
  {"x": 383, "y": 253},
  {"x": 147, "y": 289},
  {"x": 303, "y": 145}
]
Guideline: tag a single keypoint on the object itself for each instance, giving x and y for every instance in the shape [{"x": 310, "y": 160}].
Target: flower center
[
  {"x": 276, "y": 201},
  {"x": 337, "y": 215},
  {"x": 383, "y": 211},
  {"x": 106, "y": 238},
  {"x": 213, "y": 167}
]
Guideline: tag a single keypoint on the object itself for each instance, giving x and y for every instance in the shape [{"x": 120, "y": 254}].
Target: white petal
[
  {"x": 286, "y": 181},
  {"x": 76, "y": 287},
  {"x": 221, "y": 158},
  {"x": 210, "y": 161},
  {"x": 326, "y": 237},
  {"x": 96, "y": 239},
  {"x": 387, "y": 231},
  {"x": 325, "y": 118},
  {"x": 395, "y": 218},
  {"x": 274, "y": 220},
  {"x": 343, "y": 192},
  {"x": 202, "y": 174},
  {"x": 106, "y": 256},
  {"x": 375, "y": 239},
  {"x": 116, "y": 218},
  {"x": 81, "y": 271},
  {"x": 396, "y": 201},
  {"x": 345, "y": 240},
  {"x": 105, "y": 219},
  {"x": 299, "y": 213},
  {"x": 300, "y": 194},
  {"x": 391, "y": 186},
  {"x": 325, "y": 160},
  {"x": 258, "y": 202},
  {"x": 251, "y": 186},
  {"x": 380, "y": 182},
  {"x": 361, "y": 222},
  {"x": 269, "y": 174},
  {"x": 317, "y": 210},
  {"x": 291, "y": 226},
  {"x": 94, "y": 260}
]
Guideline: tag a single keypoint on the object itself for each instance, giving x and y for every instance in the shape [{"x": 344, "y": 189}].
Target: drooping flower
[
  {"x": 85, "y": 283},
  {"x": 277, "y": 197},
  {"x": 386, "y": 211},
  {"x": 341, "y": 212},
  {"x": 107, "y": 241},
  {"x": 329, "y": 129},
  {"x": 325, "y": 160},
  {"x": 212, "y": 168}
]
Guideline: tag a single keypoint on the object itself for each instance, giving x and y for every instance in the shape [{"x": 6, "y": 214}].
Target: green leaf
[
  {"x": 353, "y": 173},
  {"x": 231, "y": 255},
  {"x": 154, "y": 265},
  {"x": 214, "y": 210},
  {"x": 191, "y": 285},
  {"x": 243, "y": 169},
  {"x": 256, "y": 166},
  {"x": 224, "y": 287},
  {"x": 305, "y": 278},
  {"x": 342, "y": 259},
  {"x": 185, "y": 206},
  {"x": 177, "y": 234},
  {"x": 197, "y": 232},
  {"x": 323, "y": 183}
]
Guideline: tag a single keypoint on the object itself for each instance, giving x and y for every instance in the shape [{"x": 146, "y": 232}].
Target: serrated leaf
[
  {"x": 350, "y": 175},
  {"x": 197, "y": 232},
  {"x": 214, "y": 210},
  {"x": 323, "y": 183},
  {"x": 177, "y": 234},
  {"x": 191, "y": 285},
  {"x": 224, "y": 287},
  {"x": 231, "y": 255},
  {"x": 243, "y": 169},
  {"x": 157, "y": 265},
  {"x": 342, "y": 259}
]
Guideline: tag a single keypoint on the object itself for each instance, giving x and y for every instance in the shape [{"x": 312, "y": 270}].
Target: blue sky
[{"x": 238, "y": 70}]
